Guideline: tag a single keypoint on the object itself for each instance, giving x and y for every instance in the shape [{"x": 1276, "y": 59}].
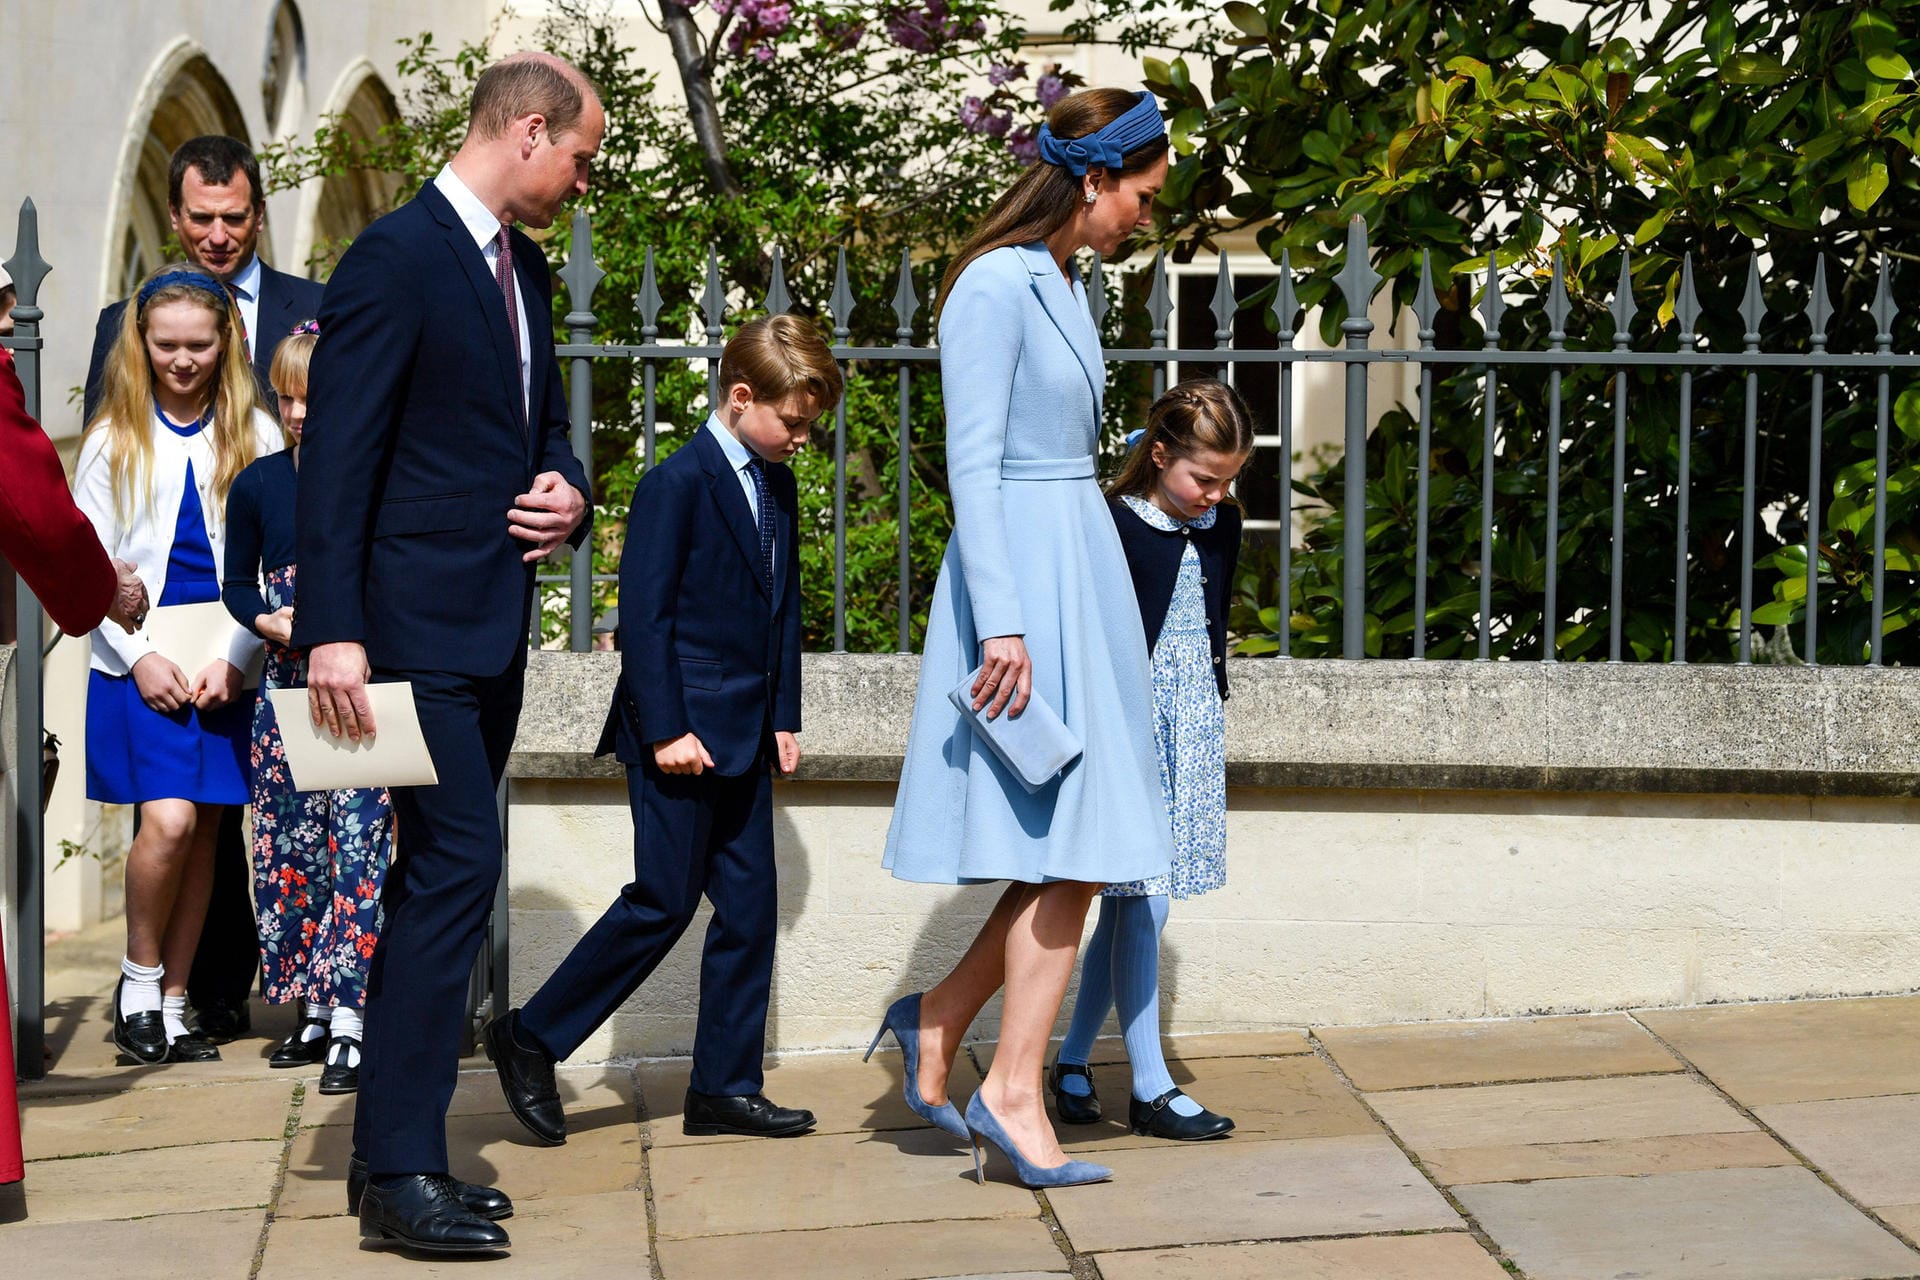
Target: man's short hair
[
  {"x": 523, "y": 86},
  {"x": 779, "y": 357},
  {"x": 216, "y": 158}
]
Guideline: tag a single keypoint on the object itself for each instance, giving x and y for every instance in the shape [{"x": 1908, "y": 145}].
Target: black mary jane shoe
[
  {"x": 423, "y": 1212},
  {"x": 490, "y": 1203},
  {"x": 193, "y": 1047},
  {"x": 295, "y": 1052},
  {"x": 1073, "y": 1108},
  {"x": 1156, "y": 1120},
  {"x": 141, "y": 1036},
  {"x": 337, "y": 1076},
  {"x": 753, "y": 1115}
]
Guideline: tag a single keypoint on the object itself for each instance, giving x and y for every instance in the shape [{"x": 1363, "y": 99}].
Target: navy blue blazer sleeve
[
  {"x": 105, "y": 330},
  {"x": 786, "y": 707},
  {"x": 370, "y": 325},
  {"x": 659, "y": 527}
]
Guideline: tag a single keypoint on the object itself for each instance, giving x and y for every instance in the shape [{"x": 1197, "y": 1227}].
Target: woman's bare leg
[{"x": 948, "y": 1008}]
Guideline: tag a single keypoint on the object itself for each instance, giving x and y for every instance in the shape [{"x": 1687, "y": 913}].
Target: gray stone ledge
[{"x": 1824, "y": 731}]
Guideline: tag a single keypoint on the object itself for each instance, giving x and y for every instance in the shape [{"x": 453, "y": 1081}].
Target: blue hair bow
[
  {"x": 1135, "y": 436},
  {"x": 1105, "y": 147},
  {"x": 184, "y": 276}
]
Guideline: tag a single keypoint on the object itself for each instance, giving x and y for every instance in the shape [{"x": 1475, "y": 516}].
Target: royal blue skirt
[{"x": 135, "y": 753}]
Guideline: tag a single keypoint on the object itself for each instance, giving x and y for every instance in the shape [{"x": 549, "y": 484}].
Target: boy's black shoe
[{"x": 752, "y": 1116}]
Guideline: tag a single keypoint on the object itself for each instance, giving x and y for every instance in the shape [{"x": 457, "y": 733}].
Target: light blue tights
[{"x": 1123, "y": 967}]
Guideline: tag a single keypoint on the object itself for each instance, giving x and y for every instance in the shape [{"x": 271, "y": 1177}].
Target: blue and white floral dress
[{"x": 1189, "y": 726}]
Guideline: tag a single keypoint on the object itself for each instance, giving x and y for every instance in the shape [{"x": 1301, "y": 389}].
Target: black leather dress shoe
[
  {"x": 341, "y": 1075},
  {"x": 752, "y": 1116},
  {"x": 1153, "y": 1119},
  {"x": 192, "y": 1047},
  {"x": 490, "y": 1203},
  {"x": 1073, "y": 1108},
  {"x": 422, "y": 1211},
  {"x": 220, "y": 1022},
  {"x": 141, "y": 1036},
  {"x": 526, "y": 1077},
  {"x": 295, "y": 1052}
]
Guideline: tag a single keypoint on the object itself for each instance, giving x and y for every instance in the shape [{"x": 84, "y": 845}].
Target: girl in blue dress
[
  {"x": 177, "y": 422},
  {"x": 319, "y": 857},
  {"x": 1181, "y": 533},
  {"x": 1022, "y": 376}
]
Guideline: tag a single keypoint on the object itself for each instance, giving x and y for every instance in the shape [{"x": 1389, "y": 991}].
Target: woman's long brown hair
[
  {"x": 1190, "y": 417},
  {"x": 1043, "y": 199}
]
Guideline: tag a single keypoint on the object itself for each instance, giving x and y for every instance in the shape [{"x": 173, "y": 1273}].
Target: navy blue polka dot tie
[{"x": 763, "y": 499}]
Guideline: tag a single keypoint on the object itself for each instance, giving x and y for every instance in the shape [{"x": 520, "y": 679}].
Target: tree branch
[{"x": 696, "y": 78}]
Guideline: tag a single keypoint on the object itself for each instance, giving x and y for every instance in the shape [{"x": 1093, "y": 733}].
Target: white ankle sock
[
  {"x": 320, "y": 1013},
  {"x": 346, "y": 1022},
  {"x": 173, "y": 1012},
  {"x": 140, "y": 993}
]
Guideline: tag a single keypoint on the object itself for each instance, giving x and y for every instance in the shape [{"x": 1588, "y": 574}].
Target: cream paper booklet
[
  {"x": 396, "y": 756},
  {"x": 192, "y": 635}
]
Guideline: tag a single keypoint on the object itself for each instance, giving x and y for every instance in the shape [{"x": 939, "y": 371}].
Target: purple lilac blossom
[
  {"x": 1000, "y": 73},
  {"x": 1049, "y": 88}
]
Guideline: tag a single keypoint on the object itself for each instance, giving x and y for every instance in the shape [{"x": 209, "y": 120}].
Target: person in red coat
[{"x": 47, "y": 540}]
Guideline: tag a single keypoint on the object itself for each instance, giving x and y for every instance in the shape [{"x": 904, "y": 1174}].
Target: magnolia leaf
[
  {"x": 1906, "y": 412},
  {"x": 1247, "y": 18},
  {"x": 1753, "y": 68},
  {"x": 1650, "y": 229},
  {"x": 1864, "y": 190}
]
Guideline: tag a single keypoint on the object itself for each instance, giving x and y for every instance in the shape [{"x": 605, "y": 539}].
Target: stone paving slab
[
  {"x": 1451, "y": 1255},
  {"x": 595, "y": 1096},
  {"x": 1235, "y": 1044},
  {"x": 845, "y": 1094},
  {"x": 1754, "y": 1224},
  {"x": 1800, "y": 1051},
  {"x": 888, "y": 1251},
  {"x": 1224, "y": 1191},
  {"x": 827, "y": 1180},
  {"x": 138, "y": 1119},
  {"x": 489, "y": 1149},
  {"x": 1494, "y": 1052},
  {"x": 1870, "y": 1146},
  {"x": 1673, "y": 1154},
  {"x": 558, "y": 1239},
  {"x": 219, "y": 1244},
  {"x": 1290, "y": 1097},
  {"x": 1506, "y": 1115},
  {"x": 141, "y": 1184},
  {"x": 1904, "y": 1218}
]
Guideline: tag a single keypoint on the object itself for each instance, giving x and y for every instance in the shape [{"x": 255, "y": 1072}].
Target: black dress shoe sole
[
  {"x": 340, "y": 1087},
  {"x": 388, "y": 1236},
  {"x": 533, "y": 1129},
  {"x": 280, "y": 1063},
  {"x": 740, "y": 1131},
  {"x": 138, "y": 1059}
]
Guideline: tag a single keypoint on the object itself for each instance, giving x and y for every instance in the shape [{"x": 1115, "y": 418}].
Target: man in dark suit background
[
  {"x": 218, "y": 210},
  {"x": 437, "y": 477}
]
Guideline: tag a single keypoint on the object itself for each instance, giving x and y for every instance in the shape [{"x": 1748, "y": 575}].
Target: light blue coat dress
[{"x": 1034, "y": 553}]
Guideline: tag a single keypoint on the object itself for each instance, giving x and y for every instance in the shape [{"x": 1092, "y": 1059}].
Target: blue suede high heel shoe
[
  {"x": 903, "y": 1019},
  {"x": 985, "y": 1126}
]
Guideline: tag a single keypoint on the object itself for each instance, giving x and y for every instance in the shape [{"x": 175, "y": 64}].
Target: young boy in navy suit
[{"x": 707, "y": 707}]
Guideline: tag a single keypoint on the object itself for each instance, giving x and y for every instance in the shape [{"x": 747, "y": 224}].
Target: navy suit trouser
[
  {"x": 437, "y": 897},
  {"x": 693, "y": 834}
]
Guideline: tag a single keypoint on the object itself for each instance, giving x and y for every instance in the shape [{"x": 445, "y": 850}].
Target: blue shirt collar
[{"x": 738, "y": 455}]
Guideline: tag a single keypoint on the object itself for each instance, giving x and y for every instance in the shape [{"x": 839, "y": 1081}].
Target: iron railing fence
[{"x": 1358, "y": 284}]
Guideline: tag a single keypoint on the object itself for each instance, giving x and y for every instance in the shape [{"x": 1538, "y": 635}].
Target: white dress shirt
[
  {"x": 246, "y": 292},
  {"x": 738, "y": 457},
  {"x": 485, "y": 230}
]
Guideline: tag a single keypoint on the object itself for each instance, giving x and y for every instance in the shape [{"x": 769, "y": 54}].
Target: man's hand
[
  {"x": 276, "y": 626},
  {"x": 217, "y": 685},
  {"x": 787, "y": 749},
  {"x": 161, "y": 684},
  {"x": 546, "y": 515},
  {"x": 683, "y": 754},
  {"x": 129, "y": 607},
  {"x": 337, "y": 689}
]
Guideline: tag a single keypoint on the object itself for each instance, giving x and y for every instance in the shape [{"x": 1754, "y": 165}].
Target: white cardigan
[{"x": 146, "y": 540}]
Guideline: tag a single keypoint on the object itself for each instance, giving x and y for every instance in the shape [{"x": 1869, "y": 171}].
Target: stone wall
[{"x": 1406, "y": 841}]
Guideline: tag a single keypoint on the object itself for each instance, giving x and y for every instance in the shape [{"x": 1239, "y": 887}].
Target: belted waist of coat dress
[{"x": 1081, "y": 468}]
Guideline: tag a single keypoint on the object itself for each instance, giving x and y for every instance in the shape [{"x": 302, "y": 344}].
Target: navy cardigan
[{"x": 1153, "y": 558}]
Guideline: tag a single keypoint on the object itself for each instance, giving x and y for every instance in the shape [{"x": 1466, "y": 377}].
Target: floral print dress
[{"x": 1189, "y": 727}]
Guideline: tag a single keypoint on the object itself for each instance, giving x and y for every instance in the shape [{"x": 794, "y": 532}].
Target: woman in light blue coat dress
[{"x": 1034, "y": 591}]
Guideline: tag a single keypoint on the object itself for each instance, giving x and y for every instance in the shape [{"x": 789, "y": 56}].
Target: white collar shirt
[{"x": 485, "y": 230}]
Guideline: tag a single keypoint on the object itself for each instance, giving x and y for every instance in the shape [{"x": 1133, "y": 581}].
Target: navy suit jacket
[
  {"x": 416, "y": 447},
  {"x": 284, "y": 302},
  {"x": 705, "y": 647}
]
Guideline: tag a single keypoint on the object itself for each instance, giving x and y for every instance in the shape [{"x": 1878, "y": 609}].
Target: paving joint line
[
  {"x": 1696, "y": 1073},
  {"x": 1676, "y": 1070},
  {"x": 645, "y": 1120},
  {"x": 288, "y": 1135},
  {"x": 1479, "y": 1233}
]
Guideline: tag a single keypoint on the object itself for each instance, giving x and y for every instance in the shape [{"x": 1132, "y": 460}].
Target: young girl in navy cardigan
[{"x": 1181, "y": 535}]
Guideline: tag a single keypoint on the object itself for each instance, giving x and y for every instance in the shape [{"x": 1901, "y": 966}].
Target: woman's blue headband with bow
[
  {"x": 1106, "y": 147},
  {"x": 184, "y": 276}
]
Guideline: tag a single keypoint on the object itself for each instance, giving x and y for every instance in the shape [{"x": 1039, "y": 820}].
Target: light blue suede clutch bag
[{"x": 1035, "y": 745}]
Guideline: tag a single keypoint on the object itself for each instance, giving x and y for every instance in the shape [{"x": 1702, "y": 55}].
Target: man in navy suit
[
  {"x": 707, "y": 705},
  {"x": 218, "y": 212},
  {"x": 436, "y": 474}
]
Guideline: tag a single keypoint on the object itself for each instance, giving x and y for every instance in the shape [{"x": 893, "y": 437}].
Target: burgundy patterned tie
[{"x": 503, "y": 276}]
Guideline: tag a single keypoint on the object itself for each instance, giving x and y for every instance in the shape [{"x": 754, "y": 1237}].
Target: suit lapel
[
  {"x": 1067, "y": 308},
  {"x": 732, "y": 501},
  {"x": 537, "y": 322},
  {"x": 493, "y": 313}
]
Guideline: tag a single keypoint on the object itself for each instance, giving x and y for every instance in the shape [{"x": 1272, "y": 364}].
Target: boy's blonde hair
[
  {"x": 779, "y": 357},
  {"x": 290, "y": 361}
]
